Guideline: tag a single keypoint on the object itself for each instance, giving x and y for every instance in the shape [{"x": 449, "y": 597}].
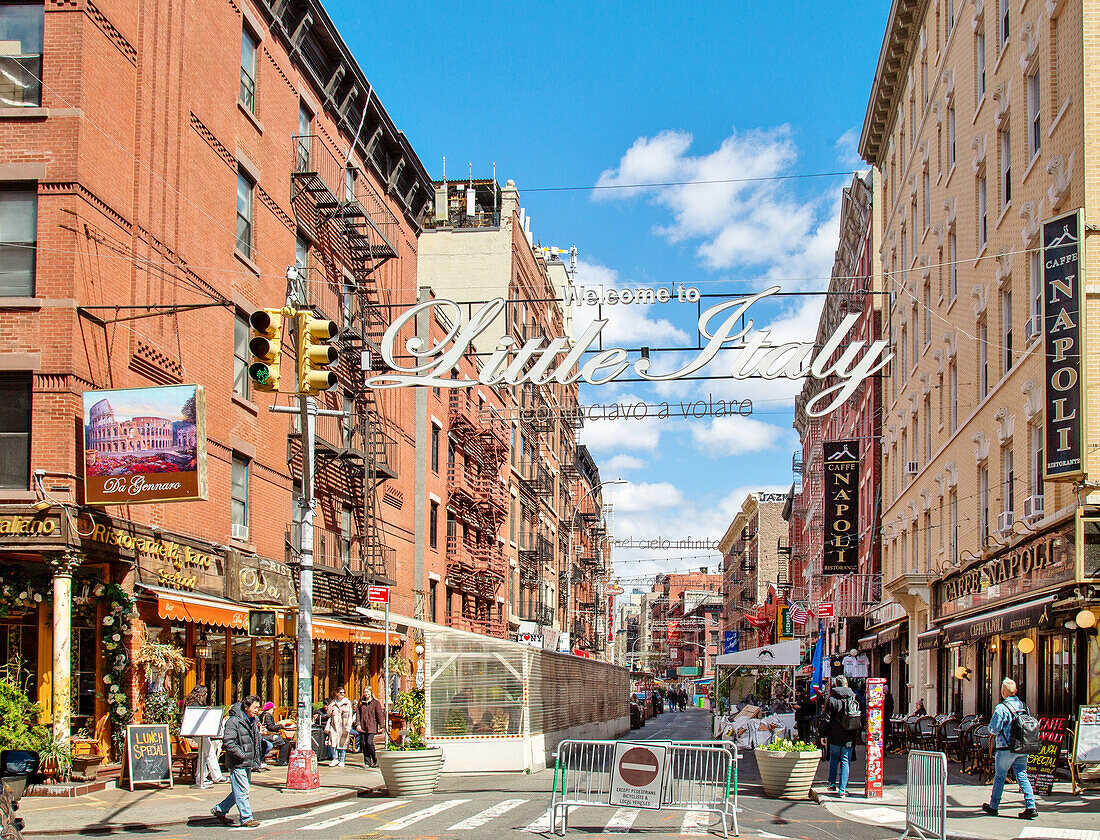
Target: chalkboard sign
[
  {"x": 1086, "y": 746},
  {"x": 1040, "y": 766},
  {"x": 148, "y": 754}
]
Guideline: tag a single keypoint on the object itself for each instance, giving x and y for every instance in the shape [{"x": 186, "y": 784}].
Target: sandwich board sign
[{"x": 636, "y": 775}]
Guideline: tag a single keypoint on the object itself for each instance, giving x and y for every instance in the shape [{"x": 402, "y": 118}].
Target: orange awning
[
  {"x": 183, "y": 607},
  {"x": 342, "y": 631}
]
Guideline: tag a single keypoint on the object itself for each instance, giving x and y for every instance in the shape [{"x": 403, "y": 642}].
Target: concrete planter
[
  {"x": 787, "y": 775},
  {"x": 410, "y": 772}
]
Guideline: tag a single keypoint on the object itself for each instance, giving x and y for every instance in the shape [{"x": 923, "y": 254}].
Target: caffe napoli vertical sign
[
  {"x": 841, "y": 507},
  {"x": 1063, "y": 321}
]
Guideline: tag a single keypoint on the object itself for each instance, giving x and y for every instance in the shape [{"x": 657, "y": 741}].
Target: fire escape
[
  {"x": 348, "y": 223},
  {"x": 536, "y": 483},
  {"x": 476, "y": 566}
]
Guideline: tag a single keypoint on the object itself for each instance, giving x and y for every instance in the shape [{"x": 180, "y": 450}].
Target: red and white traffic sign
[
  {"x": 825, "y": 610},
  {"x": 636, "y": 775},
  {"x": 378, "y": 594}
]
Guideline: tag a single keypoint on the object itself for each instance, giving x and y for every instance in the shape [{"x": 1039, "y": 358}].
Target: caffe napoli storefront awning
[
  {"x": 1006, "y": 621},
  {"x": 221, "y": 612}
]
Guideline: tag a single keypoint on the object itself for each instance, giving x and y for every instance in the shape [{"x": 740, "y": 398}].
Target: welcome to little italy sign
[{"x": 749, "y": 353}]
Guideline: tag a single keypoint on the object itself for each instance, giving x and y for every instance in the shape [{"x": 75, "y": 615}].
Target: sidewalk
[
  {"x": 119, "y": 809},
  {"x": 1062, "y": 816}
]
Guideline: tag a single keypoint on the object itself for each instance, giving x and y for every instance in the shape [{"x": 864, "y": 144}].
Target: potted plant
[
  {"x": 409, "y": 767},
  {"x": 86, "y": 757},
  {"x": 787, "y": 768},
  {"x": 56, "y": 757}
]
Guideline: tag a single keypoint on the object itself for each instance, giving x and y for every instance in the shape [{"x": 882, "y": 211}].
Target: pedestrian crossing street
[{"x": 531, "y": 815}]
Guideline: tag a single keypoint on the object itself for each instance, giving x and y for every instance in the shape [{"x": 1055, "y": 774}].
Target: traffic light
[
  {"x": 265, "y": 345},
  {"x": 314, "y": 355}
]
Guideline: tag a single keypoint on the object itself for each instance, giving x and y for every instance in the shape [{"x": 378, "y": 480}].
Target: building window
[
  {"x": 1060, "y": 672},
  {"x": 1003, "y": 29},
  {"x": 983, "y": 219},
  {"x": 512, "y": 522},
  {"x": 435, "y": 449},
  {"x": 1006, "y": 329},
  {"x": 983, "y": 359},
  {"x": 953, "y": 504},
  {"x": 345, "y": 537},
  {"x": 927, "y": 313},
  {"x": 1034, "y": 119},
  {"x": 18, "y": 240},
  {"x": 433, "y": 594},
  {"x": 433, "y": 525},
  {"x": 928, "y": 429},
  {"x": 951, "y": 138},
  {"x": 241, "y": 335},
  {"x": 979, "y": 62},
  {"x": 983, "y": 504},
  {"x": 950, "y": 16},
  {"x": 927, "y": 199},
  {"x": 250, "y": 44},
  {"x": 953, "y": 386},
  {"x": 1008, "y": 480},
  {"x": 305, "y": 121},
  {"x": 21, "y": 61},
  {"x": 1006, "y": 169},
  {"x": 448, "y": 595},
  {"x": 349, "y": 183},
  {"x": 245, "y": 189},
  {"x": 953, "y": 260},
  {"x": 1035, "y": 287},
  {"x": 238, "y": 511},
  {"x": 913, "y": 228},
  {"x": 1036, "y": 433},
  {"x": 15, "y": 432}
]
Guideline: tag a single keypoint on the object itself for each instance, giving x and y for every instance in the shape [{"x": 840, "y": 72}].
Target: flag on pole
[
  {"x": 757, "y": 621},
  {"x": 819, "y": 649},
  {"x": 798, "y": 613}
]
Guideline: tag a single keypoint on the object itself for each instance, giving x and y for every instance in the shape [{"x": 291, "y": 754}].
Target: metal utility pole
[{"x": 308, "y": 408}]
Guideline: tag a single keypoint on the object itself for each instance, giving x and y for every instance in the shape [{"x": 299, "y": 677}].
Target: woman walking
[{"x": 338, "y": 729}]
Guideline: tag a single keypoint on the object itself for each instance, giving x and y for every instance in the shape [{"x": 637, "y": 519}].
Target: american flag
[{"x": 799, "y": 614}]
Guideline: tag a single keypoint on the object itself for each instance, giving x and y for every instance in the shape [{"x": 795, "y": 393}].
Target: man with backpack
[
  {"x": 1017, "y": 737},
  {"x": 841, "y": 722}
]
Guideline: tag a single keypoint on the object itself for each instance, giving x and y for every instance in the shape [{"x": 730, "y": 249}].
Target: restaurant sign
[
  {"x": 1029, "y": 567},
  {"x": 144, "y": 445},
  {"x": 841, "y": 507}
]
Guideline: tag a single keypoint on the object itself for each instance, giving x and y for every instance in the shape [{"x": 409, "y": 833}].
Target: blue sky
[{"x": 579, "y": 94}]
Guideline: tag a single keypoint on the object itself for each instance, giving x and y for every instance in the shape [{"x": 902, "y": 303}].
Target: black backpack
[
  {"x": 850, "y": 716},
  {"x": 1023, "y": 737}
]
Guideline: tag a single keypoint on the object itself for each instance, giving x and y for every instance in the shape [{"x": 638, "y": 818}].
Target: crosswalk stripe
[
  {"x": 304, "y": 815},
  {"x": 541, "y": 825},
  {"x": 695, "y": 823},
  {"x": 621, "y": 820},
  {"x": 478, "y": 820},
  {"x": 354, "y": 815},
  {"x": 417, "y": 816}
]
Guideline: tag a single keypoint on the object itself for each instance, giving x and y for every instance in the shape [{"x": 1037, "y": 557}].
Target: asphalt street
[{"x": 515, "y": 807}]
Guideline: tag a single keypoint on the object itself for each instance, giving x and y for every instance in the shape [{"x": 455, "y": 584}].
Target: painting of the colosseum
[{"x": 144, "y": 444}]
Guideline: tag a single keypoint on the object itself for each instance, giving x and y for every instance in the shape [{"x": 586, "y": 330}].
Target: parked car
[{"x": 16, "y": 766}]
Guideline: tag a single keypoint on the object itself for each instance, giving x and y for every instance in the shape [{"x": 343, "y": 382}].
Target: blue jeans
[
  {"x": 1017, "y": 764},
  {"x": 339, "y": 755},
  {"x": 843, "y": 756},
  {"x": 239, "y": 780}
]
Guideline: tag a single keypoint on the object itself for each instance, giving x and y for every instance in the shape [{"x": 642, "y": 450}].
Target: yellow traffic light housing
[
  {"x": 265, "y": 347},
  {"x": 315, "y": 355}
]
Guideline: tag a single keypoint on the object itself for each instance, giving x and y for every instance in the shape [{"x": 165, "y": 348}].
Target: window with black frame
[
  {"x": 1060, "y": 680},
  {"x": 21, "y": 54},
  {"x": 18, "y": 237}
]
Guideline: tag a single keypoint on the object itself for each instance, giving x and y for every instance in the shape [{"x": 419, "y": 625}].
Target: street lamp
[{"x": 569, "y": 557}]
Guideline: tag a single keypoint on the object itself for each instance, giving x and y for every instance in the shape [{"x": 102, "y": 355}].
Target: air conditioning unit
[
  {"x": 1031, "y": 328},
  {"x": 1004, "y": 522},
  {"x": 238, "y": 532},
  {"x": 1033, "y": 508},
  {"x": 910, "y": 467}
]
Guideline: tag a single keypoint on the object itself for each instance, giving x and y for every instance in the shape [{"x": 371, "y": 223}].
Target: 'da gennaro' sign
[{"x": 144, "y": 445}]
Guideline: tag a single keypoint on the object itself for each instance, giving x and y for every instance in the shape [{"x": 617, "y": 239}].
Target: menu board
[
  {"x": 148, "y": 754},
  {"x": 1040, "y": 766},
  {"x": 1086, "y": 745}
]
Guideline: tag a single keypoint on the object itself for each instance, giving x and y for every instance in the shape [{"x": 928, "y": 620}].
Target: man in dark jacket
[
  {"x": 370, "y": 719},
  {"x": 243, "y": 752},
  {"x": 840, "y": 729}
]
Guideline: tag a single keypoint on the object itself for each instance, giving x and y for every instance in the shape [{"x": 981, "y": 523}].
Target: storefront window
[
  {"x": 265, "y": 669},
  {"x": 85, "y": 651},
  {"x": 984, "y": 677},
  {"x": 1059, "y": 681},
  {"x": 287, "y": 697},
  {"x": 213, "y": 669},
  {"x": 19, "y": 651},
  {"x": 1014, "y": 665},
  {"x": 337, "y": 674},
  {"x": 241, "y": 673},
  {"x": 321, "y": 689},
  {"x": 949, "y": 688}
]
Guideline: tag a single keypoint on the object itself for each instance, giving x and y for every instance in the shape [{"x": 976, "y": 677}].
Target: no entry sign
[{"x": 636, "y": 777}]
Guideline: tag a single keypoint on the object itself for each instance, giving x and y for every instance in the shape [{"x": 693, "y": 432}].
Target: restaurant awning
[
  {"x": 335, "y": 630},
  {"x": 929, "y": 639},
  {"x": 1014, "y": 619},
  {"x": 867, "y": 642}
]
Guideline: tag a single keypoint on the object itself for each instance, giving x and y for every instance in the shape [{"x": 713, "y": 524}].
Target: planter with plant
[
  {"x": 409, "y": 767},
  {"x": 86, "y": 757},
  {"x": 787, "y": 768},
  {"x": 56, "y": 757}
]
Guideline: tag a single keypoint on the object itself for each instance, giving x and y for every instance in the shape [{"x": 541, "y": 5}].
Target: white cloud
[
  {"x": 725, "y": 436},
  {"x": 622, "y": 434},
  {"x": 620, "y": 464},
  {"x": 846, "y": 149},
  {"x": 738, "y": 223},
  {"x": 640, "y": 496}
]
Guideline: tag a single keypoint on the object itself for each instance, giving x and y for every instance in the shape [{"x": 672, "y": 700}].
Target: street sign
[
  {"x": 636, "y": 775},
  {"x": 825, "y": 610},
  {"x": 731, "y": 641},
  {"x": 378, "y": 594},
  {"x": 787, "y": 624}
]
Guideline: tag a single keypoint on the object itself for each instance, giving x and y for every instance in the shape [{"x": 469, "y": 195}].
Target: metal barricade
[
  {"x": 926, "y": 796},
  {"x": 698, "y": 776}
]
